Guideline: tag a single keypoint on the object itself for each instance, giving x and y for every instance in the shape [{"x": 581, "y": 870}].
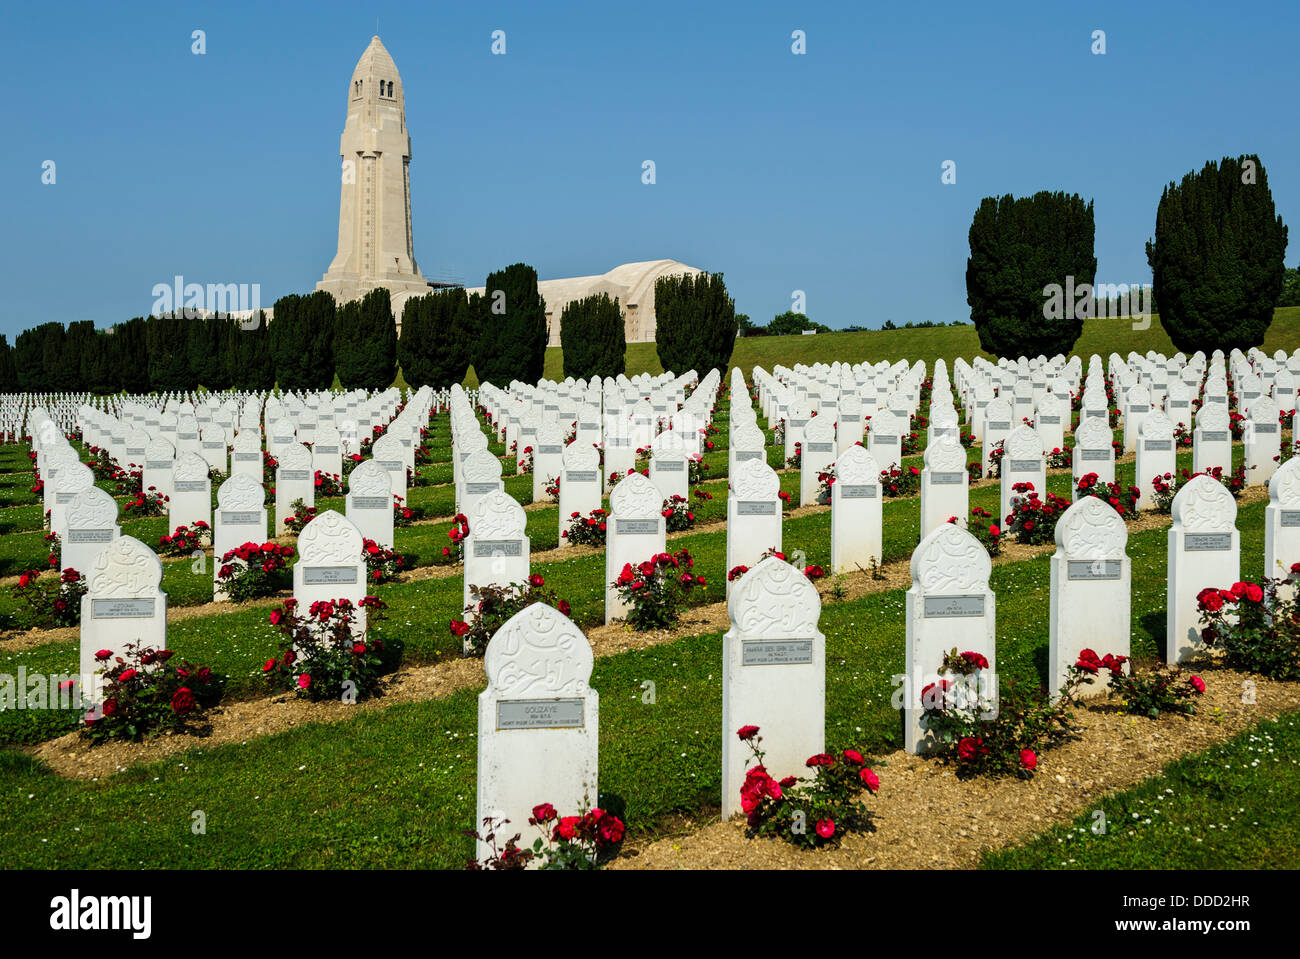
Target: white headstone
[
  {"x": 240, "y": 518},
  {"x": 123, "y": 605},
  {"x": 370, "y": 502},
  {"x": 331, "y": 565},
  {"x": 856, "y": 512},
  {"x": 635, "y": 532},
  {"x": 1204, "y": 550},
  {"x": 753, "y": 514}
]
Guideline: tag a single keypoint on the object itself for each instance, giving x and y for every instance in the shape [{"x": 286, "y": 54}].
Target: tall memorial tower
[{"x": 375, "y": 247}]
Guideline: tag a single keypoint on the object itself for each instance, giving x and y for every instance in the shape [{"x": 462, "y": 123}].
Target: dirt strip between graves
[
  {"x": 237, "y": 722},
  {"x": 924, "y": 817}
]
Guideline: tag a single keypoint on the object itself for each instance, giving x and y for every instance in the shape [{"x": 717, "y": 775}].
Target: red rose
[
  {"x": 358, "y": 649},
  {"x": 536, "y": 579},
  {"x": 304, "y": 681},
  {"x": 459, "y": 628},
  {"x": 543, "y": 813},
  {"x": 126, "y": 675},
  {"x": 966, "y": 748},
  {"x": 276, "y": 616},
  {"x": 270, "y": 665},
  {"x": 110, "y": 707},
  {"x": 826, "y": 828},
  {"x": 183, "y": 700},
  {"x": 1239, "y": 589},
  {"x": 103, "y": 654},
  {"x": 1209, "y": 599},
  {"x": 869, "y": 779},
  {"x": 1254, "y": 593},
  {"x": 567, "y": 827},
  {"x": 747, "y": 733},
  {"x": 611, "y": 829},
  {"x": 1028, "y": 759},
  {"x": 821, "y": 759},
  {"x": 1198, "y": 684}
]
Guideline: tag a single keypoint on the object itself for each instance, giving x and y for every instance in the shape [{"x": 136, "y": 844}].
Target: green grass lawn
[{"x": 1234, "y": 806}]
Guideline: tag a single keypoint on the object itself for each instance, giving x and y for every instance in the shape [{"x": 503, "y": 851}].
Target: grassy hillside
[{"x": 1102, "y": 337}]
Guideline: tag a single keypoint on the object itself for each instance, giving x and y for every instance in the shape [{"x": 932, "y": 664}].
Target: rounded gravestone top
[
  {"x": 1093, "y": 433},
  {"x": 1284, "y": 485},
  {"x": 331, "y": 539},
  {"x": 1204, "y": 505},
  {"x": 1156, "y": 425},
  {"x": 124, "y": 568},
  {"x": 754, "y": 480},
  {"x": 950, "y": 561},
  {"x": 92, "y": 508},
  {"x": 1212, "y": 417},
  {"x": 820, "y": 429},
  {"x": 577, "y": 456},
  {"x": 538, "y": 653},
  {"x": 498, "y": 516},
  {"x": 1091, "y": 529},
  {"x": 370, "y": 479},
  {"x": 635, "y": 496},
  {"x": 856, "y": 467},
  {"x": 241, "y": 493},
  {"x": 945, "y": 455},
  {"x": 775, "y": 600},
  {"x": 294, "y": 456},
  {"x": 190, "y": 466}
]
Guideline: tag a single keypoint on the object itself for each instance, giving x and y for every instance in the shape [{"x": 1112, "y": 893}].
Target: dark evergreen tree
[
  {"x": 8, "y": 372},
  {"x": 318, "y": 318},
  {"x": 593, "y": 338},
  {"x": 167, "y": 341},
  {"x": 78, "y": 345},
  {"x": 1216, "y": 259},
  {"x": 512, "y": 333},
  {"x": 365, "y": 343},
  {"x": 248, "y": 351},
  {"x": 696, "y": 323},
  {"x": 286, "y": 336},
  {"x": 436, "y": 340},
  {"x": 99, "y": 367},
  {"x": 1019, "y": 247},
  {"x": 205, "y": 349},
  {"x": 131, "y": 354}
]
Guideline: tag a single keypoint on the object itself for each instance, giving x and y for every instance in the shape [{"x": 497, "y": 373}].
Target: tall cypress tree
[
  {"x": 695, "y": 323},
  {"x": 8, "y": 372},
  {"x": 318, "y": 318},
  {"x": 99, "y": 366},
  {"x": 593, "y": 338},
  {"x": 1216, "y": 258},
  {"x": 512, "y": 330},
  {"x": 1019, "y": 247},
  {"x": 131, "y": 354},
  {"x": 285, "y": 336},
  {"x": 252, "y": 366},
  {"x": 435, "y": 344},
  {"x": 365, "y": 341},
  {"x": 168, "y": 350}
]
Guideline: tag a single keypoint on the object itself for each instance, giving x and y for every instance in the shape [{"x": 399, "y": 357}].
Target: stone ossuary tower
[{"x": 375, "y": 247}]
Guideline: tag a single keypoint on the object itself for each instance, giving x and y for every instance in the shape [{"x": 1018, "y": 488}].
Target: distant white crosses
[
  {"x": 1204, "y": 550},
  {"x": 1091, "y": 581},
  {"x": 773, "y": 674}
]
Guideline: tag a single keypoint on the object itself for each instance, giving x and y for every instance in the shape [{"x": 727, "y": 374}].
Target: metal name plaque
[
  {"x": 479, "y": 489},
  {"x": 122, "y": 608},
  {"x": 670, "y": 466},
  {"x": 742, "y": 455},
  {"x": 241, "y": 519},
  {"x": 540, "y": 714},
  {"x": 1214, "y": 436},
  {"x": 98, "y": 535},
  {"x": 1054, "y": 420},
  {"x": 158, "y": 464},
  {"x": 580, "y": 476},
  {"x": 1205, "y": 542},
  {"x": 636, "y": 527},
  {"x": 1184, "y": 404},
  {"x": 943, "y": 607},
  {"x": 1025, "y": 466},
  {"x": 750, "y": 507},
  {"x": 856, "y": 492},
  {"x": 187, "y": 436},
  {"x": 64, "y": 498},
  {"x": 131, "y": 452},
  {"x": 1000, "y": 426},
  {"x": 1291, "y": 517},
  {"x": 619, "y": 441},
  {"x": 776, "y": 652},
  {"x": 820, "y": 447},
  {"x": 549, "y": 450},
  {"x": 391, "y": 466},
  {"x": 294, "y": 476},
  {"x": 326, "y": 449},
  {"x": 1265, "y": 427},
  {"x": 282, "y": 440},
  {"x": 498, "y": 547},
  {"x": 1093, "y": 456},
  {"x": 370, "y": 502},
  {"x": 328, "y": 575},
  {"x": 1093, "y": 569},
  {"x": 945, "y": 479},
  {"x": 247, "y": 457},
  {"x": 1096, "y": 412},
  {"x": 884, "y": 440},
  {"x": 190, "y": 486},
  {"x": 1217, "y": 399},
  {"x": 214, "y": 446},
  {"x": 588, "y": 427}
]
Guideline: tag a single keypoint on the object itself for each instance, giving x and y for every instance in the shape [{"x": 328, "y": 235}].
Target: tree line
[
  {"x": 1216, "y": 261},
  {"x": 313, "y": 343}
]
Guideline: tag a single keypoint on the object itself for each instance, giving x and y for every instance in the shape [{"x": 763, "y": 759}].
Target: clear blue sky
[{"x": 818, "y": 172}]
